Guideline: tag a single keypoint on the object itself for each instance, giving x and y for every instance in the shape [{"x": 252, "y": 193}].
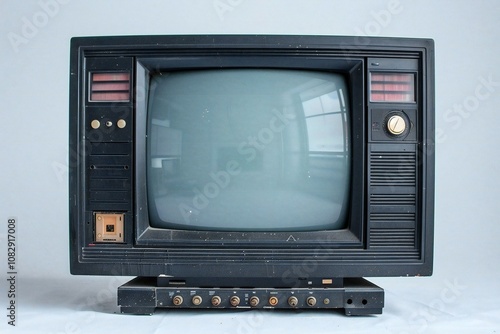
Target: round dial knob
[{"x": 396, "y": 125}]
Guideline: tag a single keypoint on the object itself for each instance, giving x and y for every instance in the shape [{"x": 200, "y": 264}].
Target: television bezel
[
  {"x": 349, "y": 237},
  {"x": 185, "y": 253}
]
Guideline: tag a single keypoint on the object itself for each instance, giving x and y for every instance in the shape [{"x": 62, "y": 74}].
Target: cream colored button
[
  {"x": 121, "y": 123},
  {"x": 396, "y": 125},
  {"x": 196, "y": 300},
  {"x": 95, "y": 124}
]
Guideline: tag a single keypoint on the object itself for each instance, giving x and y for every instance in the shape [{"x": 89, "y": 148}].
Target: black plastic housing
[{"x": 391, "y": 209}]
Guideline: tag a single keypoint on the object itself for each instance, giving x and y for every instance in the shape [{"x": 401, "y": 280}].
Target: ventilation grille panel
[
  {"x": 392, "y": 237},
  {"x": 393, "y": 169}
]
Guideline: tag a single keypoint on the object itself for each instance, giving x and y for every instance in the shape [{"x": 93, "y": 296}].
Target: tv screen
[{"x": 248, "y": 150}]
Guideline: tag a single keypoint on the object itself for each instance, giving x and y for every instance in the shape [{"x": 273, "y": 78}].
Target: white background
[{"x": 461, "y": 297}]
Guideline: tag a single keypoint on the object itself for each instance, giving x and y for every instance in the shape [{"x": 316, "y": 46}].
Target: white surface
[
  {"x": 34, "y": 128},
  {"x": 88, "y": 305}
]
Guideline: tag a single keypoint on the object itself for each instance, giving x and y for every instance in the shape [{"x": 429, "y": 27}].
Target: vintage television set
[{"x": 238, "y": 171}]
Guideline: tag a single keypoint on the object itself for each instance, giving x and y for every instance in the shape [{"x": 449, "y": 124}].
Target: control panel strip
[{"x": 357, "y": 297}]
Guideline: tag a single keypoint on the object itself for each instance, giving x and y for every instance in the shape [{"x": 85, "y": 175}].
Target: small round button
[
  {"x": 196, "y": 300},
  {"x": 177, "y": 300},
  {"x": 311, "y": 301},
  {"x": 293, "y": 301},
  {"x": 216, "y": 300},
  {"x": 234, "y": 301},
  {"x": 121, "y": 123},
  {"x": 109, "y": 124},
  {"x": 396, "y": 125},
  {"x": 254, "y": 301},
  {"x": 95, "y": 124}
]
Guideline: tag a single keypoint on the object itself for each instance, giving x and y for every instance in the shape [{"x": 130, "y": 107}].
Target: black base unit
[{"x": 143, "y": 295}]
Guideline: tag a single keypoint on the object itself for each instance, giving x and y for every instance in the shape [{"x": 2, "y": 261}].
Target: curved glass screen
[{"x": 248, "y": 150}]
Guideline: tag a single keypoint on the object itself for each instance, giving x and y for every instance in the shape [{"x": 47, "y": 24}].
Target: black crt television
[{"x": 238, "y": 171}]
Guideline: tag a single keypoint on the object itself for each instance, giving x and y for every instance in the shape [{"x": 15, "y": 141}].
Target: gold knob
[
  {"x": 95, "y": 124},
  {"x": 216, "y": 300},
  {"x": 196, "y": 300},
  {"x": 396, "y": 125},
  {"x": 177, "y": 300},
  {"x": 273, "y": 301},
  {"x": 254, "y": 301},
  {"x": 293, "y": 301},
  {"x": 311, "y": 301},
  {"x": 234, "y": 300}
]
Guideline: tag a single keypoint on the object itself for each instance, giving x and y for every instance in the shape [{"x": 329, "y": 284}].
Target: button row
[
  {"x": 96, "y": 124},
  {"x": 252, "y": 301}
]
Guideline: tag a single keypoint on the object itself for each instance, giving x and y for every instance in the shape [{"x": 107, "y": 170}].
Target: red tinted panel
[
  {"x": 110, "y": 87},
  {"x": 392, "y": 87}
]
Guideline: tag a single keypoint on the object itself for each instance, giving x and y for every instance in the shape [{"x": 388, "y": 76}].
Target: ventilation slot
[
  {"x": 110, "y": 87},
  {"x": 392, "y": 199},
  {"x": 393, "y": 169},
  {"x": 386, "y": 237},
  {"x": 393, "y": 217}
]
